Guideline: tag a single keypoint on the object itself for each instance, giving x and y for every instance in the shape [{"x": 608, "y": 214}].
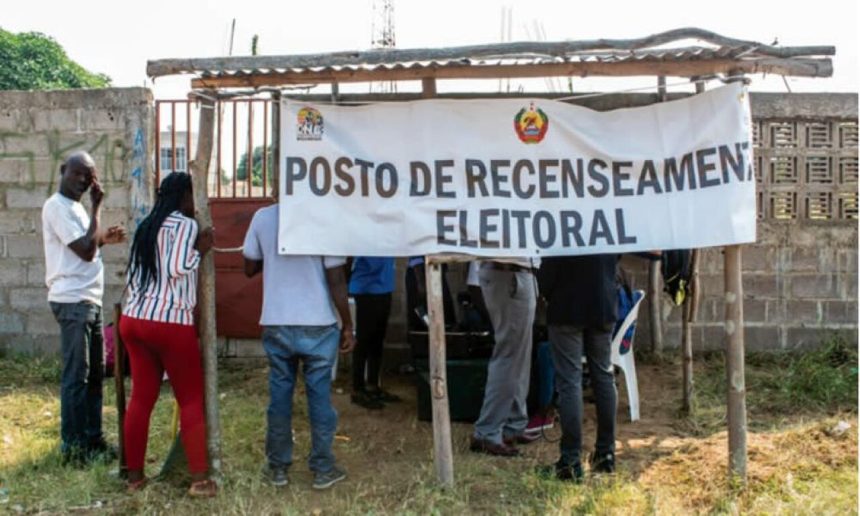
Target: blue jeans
[
  {"x": 316, "y": 348},
  {"x": 81, "y": 343}
]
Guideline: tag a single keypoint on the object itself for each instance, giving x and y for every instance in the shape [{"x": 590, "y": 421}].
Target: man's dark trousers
[
  {"x": 81, "y": 341},
  {"x": 371, "y": 323},
  {"x": 568, "y": 345}
]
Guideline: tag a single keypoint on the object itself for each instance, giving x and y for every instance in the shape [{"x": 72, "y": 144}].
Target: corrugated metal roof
[
  {"x": 666, "y": 55},
  {"x": 660, "y": 48}
]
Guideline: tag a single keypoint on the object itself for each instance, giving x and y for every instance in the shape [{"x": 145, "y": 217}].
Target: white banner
[{"x": 516, "y": 177}]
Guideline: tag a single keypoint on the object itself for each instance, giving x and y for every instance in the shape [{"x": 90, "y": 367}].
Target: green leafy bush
[{"x": 34, "y": 61}]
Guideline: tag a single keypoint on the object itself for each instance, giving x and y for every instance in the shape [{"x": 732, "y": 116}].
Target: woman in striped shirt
[{"x": 158, "y": 328}]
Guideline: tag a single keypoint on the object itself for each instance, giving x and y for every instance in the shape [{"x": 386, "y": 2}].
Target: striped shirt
[{"x": 171, "y": 295}]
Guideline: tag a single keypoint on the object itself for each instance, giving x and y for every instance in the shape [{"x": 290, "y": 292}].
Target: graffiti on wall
[
  {"x": 139, "y": 188},
  {"x": 49, "y": 149}
]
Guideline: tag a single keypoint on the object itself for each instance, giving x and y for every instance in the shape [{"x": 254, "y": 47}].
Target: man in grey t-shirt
[{"x": 299, "y": 326}]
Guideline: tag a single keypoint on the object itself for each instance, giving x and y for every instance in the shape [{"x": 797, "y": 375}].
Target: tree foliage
[
  {"x": 256, "y": 167},
  {"x": 34, "y": 61}
]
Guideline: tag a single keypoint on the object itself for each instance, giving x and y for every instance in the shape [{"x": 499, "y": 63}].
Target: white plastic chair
[{"x": 626, "y": 361}]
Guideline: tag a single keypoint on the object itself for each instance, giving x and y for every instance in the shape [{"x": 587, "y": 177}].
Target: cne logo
[
  {"x": 309, "y": 124},
  {"x": 531, "y": 124}
]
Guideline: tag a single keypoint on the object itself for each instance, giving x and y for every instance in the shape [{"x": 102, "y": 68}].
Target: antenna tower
[{"x": 382, "y": 37}]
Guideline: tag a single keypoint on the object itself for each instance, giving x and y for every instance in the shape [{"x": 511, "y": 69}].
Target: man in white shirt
[
  {"x": 74, "y": 275},
  {"x": 299, "y": 326}
]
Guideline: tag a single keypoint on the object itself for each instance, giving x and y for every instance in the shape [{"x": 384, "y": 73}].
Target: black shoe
[
  {"x": 602, "y": 462},
  {"x": 490, "y": 448},
  {"x": 366, "y": 400},
  {"x": 328, "y": 479},
  {"x": 562, "y": 471},
  {"x": 569, "y": 472},
  {"x": 75, "y": 457},
  {"x": 276, "y": 476},
  {"x": 383, "y": 396},
  {"x": 101, "y": 451},
  {"x": 523, "y": 438}
]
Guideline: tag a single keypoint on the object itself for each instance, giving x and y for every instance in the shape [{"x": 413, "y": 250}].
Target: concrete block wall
[
  {"x": 800, "y": 288},
  {"x": 800, "y": 278},
  {"x": 37, "y": 131}
]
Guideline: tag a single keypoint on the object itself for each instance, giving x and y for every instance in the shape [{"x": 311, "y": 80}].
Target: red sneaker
[{"x": 538, "y": 424}]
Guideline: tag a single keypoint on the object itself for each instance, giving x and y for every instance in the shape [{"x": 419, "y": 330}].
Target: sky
[{"x": 117, "y": 38}]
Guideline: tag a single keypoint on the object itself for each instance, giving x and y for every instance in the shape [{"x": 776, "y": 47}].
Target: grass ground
[{"x": 800, "y": 461}]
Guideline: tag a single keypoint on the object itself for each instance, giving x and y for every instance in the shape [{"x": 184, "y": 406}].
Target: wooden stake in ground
[
  {"x": 688, "y": 316},
  {"x": 206, "y": 300},
  {"x": 443, "y": 455},
  {"x": 119, "y": 383},
  {"x": 734, "y": 328}
]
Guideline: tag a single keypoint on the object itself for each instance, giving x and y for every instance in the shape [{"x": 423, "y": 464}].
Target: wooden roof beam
[{"x": 792, "y": 67}]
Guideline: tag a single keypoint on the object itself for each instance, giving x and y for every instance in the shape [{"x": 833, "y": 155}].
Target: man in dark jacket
[{"x": 581, "y": 312}]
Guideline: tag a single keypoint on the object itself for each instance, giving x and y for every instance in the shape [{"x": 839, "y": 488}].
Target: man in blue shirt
[{"x": 371, "y": 284}]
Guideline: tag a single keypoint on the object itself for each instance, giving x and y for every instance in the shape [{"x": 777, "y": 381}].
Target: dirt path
[{"x": 659, "y": 452}]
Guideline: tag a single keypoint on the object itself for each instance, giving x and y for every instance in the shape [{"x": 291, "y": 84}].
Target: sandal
[
  {"x": 137, "y": 485},
  {"x": 203, "y": 489}
]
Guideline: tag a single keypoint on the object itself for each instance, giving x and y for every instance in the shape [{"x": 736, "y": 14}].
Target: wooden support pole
[
  {"x": 687, "y": 357},
  {"x": 734, "y": 330},
  {"x": 688, "y": 316},
  {"x": 206, "y": 299},
  {"x": 654, "y": 275},
  {"x": 694, "y": 309},
  {"x": 654, "y": 300},
  {"x": 443, "y": 454},
  {"x": 695, "y": 286},
  {"x": 428, "y": 87},
  {"x": 276, "y": 145},
  {"x": 119, "y": 384}
]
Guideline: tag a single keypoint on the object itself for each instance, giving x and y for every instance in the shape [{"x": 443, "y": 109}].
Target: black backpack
[{"x": 677, "y": 273}]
